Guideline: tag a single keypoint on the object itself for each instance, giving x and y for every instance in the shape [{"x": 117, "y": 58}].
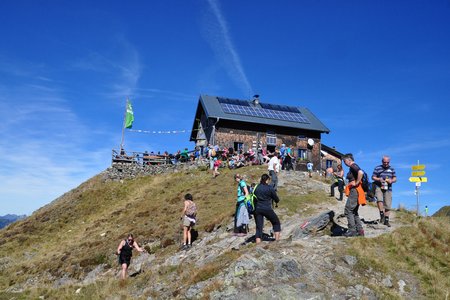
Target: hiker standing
[
  {"x": 339, "y": 182},
  {"x": 287, "y": 159},
  {"x": 125, "y": 252},
  {"x": 274, "y": 168},
  {"x": 217, "y": 164},
  {"x": 309, "y": 167},
  {"x": 355, "y": 195},
  {"x": 189, "y": 216},
  {"x": 283, "y": 156},
  {"x": 384, "y": 176},
  {"x": 211, "y": 153},
  {"x": 265, "y": 195},
  {"x": 241, "y": 217}
]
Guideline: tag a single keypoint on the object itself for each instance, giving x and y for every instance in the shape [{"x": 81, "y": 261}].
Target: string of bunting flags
[{"x": 160, "y": 131}]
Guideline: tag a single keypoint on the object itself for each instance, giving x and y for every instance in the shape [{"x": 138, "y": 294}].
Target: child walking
[{"x": 189, "y": 217}]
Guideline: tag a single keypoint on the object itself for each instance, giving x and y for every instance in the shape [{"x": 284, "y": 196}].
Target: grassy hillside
[
  {"x": 421, "y": 250},
  {"x": 81, "y": 230}
]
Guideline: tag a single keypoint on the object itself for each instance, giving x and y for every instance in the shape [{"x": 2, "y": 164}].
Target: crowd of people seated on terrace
[{"x": 227, "y": 157}]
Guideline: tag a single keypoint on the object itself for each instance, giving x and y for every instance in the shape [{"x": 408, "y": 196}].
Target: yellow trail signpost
[
  {"x": 418, "y": 171},
  {"x": 418, "y": 167},
  {"x": 418, "y": 179}
]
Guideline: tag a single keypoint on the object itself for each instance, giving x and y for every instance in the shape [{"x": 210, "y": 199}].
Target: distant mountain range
[
  {"x": 443, "y": 212},
  {"x": 8, "y": 219}
]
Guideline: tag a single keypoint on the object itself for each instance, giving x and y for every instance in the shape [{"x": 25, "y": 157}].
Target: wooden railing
[{"x": 140, "y": 158}]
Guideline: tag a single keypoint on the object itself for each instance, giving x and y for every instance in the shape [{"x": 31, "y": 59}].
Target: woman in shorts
[{"x": 125, "y": 251}]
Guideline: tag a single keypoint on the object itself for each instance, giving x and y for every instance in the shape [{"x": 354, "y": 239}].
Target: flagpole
[{"x": 123, "y": 127}]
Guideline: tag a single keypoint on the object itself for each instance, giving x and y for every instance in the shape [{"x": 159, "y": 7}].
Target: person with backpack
[
  {"x": 125, "y": 252},
  {"x": 339, "y": 182},
  {"x": 241, "y": 216},
  {"x": 189, "y": 217},
  {"x": 265, "y": 194},
  {"x": 355, "y": 197},
  {"x": 383, "y": 177}
]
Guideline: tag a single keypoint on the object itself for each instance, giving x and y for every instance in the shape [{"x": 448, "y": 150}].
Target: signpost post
[{"x": 418, "y": 171}]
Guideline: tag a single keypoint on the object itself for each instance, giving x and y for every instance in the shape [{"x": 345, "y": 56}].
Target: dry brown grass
[
  {"x": 68, "y": 233},
  {"x": 421, "y": 249}
]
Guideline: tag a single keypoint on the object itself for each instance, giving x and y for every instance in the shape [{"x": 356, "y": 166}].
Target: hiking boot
[
  {"x": 386, "y": 222},
  {"x": 185, "y": 247},
  {"x": 383, "y": 220},
  {"x": 351, "y": 233}
]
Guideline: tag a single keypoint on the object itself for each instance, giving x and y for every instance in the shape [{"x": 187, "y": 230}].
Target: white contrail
[{"x": 225, "y": 50}]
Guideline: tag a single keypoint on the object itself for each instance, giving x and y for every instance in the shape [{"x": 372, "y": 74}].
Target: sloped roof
[
  {"x": 332, "y": 151},
  {"x": 213, "y": 109}
]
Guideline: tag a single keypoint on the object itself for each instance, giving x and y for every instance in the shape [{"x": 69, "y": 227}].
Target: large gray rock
[
  {"x": 93, "y": 275},
  {"x": 287, "y": 268},
  {"x": 313, "y": 225}
]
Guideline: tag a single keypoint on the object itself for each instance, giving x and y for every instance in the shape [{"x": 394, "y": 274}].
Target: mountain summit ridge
[{"x": 67, "y": 247}]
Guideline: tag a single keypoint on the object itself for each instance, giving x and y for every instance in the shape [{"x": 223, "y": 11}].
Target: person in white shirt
[{"x": 274, "y": 168}]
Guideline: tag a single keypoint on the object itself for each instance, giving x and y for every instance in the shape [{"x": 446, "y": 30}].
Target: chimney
[{"x": 256, "y": 99}]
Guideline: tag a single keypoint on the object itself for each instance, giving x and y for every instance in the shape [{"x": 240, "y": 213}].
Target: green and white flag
[{"x": 129, "y": 118}]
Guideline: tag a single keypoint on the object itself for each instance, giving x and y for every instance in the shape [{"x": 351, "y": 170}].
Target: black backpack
[
  {"x": 368, "y": 187},
  {"x": 365, "y": 182}
]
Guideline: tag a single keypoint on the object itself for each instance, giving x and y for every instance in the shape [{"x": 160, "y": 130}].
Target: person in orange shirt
[{"x": 355, "y": 196}]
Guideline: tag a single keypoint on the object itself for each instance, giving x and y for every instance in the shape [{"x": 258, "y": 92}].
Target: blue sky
[{"x": 377, "y": 73}]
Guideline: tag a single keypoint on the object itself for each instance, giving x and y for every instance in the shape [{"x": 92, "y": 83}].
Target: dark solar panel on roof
[
  {"x": 248, "y": 110},
  {"x": 280, "y": 107},
  {"x": 232, "y": 101}
]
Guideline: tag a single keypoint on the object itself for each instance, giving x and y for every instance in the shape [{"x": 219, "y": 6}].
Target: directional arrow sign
[
  {"x": 418, "y": 167},
  {"x": 418, "y": 173},
  {"x": 418, "y": 179}
]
